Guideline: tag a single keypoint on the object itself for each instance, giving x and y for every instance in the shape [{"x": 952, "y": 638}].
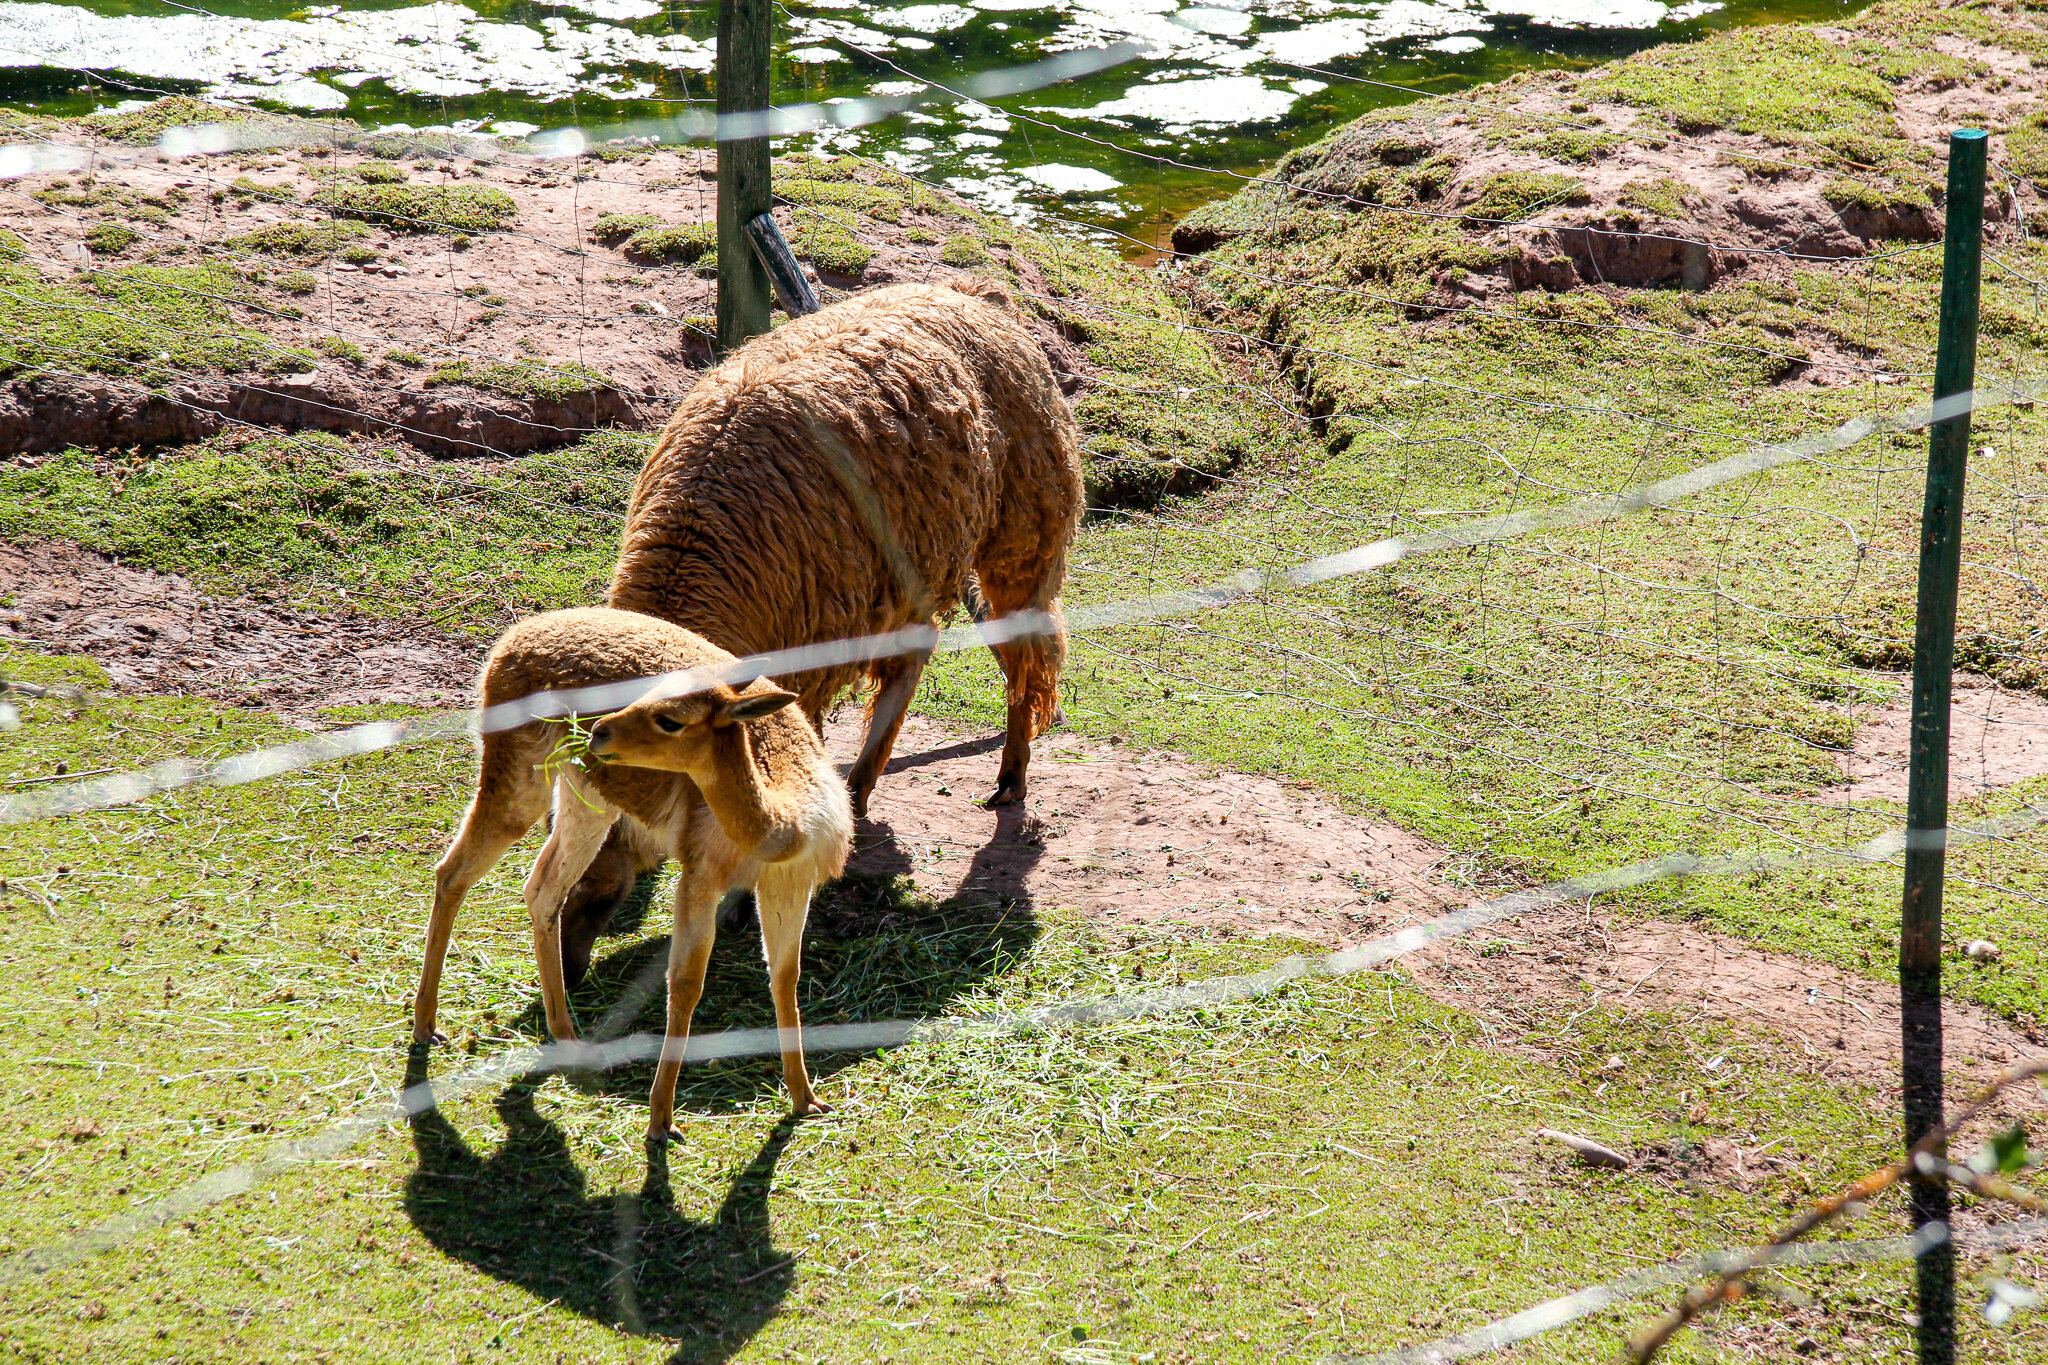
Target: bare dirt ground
[
  {"x": 156, "y": 633},
  {"x": 1997, "y": 737},
  {"x": 1126, "y": 838}
]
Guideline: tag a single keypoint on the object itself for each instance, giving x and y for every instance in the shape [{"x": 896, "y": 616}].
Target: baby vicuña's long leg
[
  {"x": 784, "y": 892},
  {"x": 581, "y": 822},
  {"x": 689, "y": 950},
  {"x": 509, "y": 798}
]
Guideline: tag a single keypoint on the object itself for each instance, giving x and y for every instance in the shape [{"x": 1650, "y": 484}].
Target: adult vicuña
[
  {"x": 841, "y": 476},
  {"x": 735, "y": 787}
]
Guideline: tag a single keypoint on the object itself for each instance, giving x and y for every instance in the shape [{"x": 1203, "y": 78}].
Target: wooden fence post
[
  {"x": 744, "y": 193},
  {"x": 1934, "y": 651}
]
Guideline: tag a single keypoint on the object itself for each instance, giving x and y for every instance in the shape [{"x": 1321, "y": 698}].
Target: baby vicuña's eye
[{"x": 668, "y": 725}]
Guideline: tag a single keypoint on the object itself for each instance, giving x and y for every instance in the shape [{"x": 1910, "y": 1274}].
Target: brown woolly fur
[
  {"x": 731, "y": 783},
  {"x": 844, "y": 475},
  {"x": 742, "y": 529}
]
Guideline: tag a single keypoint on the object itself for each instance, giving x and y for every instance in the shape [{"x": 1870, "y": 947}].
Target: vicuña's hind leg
[
  {"x": 785, "y": 898},
  {"x": 1031, "y": 670},
  {"x": 509, "y": 799},
  {"x": 896, "y": 683}
]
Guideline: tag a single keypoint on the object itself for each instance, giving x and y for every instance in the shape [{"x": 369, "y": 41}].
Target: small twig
[{"x": 1591, "y": 1152}]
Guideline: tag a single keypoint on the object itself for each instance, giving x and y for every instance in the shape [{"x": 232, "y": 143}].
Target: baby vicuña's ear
[{"x": 754, "y": 707}]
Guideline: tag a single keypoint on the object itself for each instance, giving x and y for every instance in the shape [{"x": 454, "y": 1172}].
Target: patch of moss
[
  {"x": 12, "y": 246},
  {"x": 826, "y": 238},
  {"x": 246, "y": 189},
  {"x": 110, "y": 239},
  {"x": 91, "y": 194},
  {"x": 297, "y": 237},
  {"x": 421, "y": 208},
  {"x": 1660, "y": 195},
  {"x": 1510, "y": 196},
  {"x": 523, "y": 378},
  {"x": 290, "y": 360},
  {"x": 338, "y": 348},
  {"x": 1842, "y": 194},
  {"x": 298, "y": 282},
  {"x": 145, "y": 322},
  {"x": 147, "y": 125},
  {"x": 672, "y": 244},
  {"x": 613, "y": 228},
  {"x": 871, "y": 200},
  {"x": 358, "y": 254},
  {"x": 379, "y": 173},
  {"x": 625, "y": 152},
  {"x": 964, "y": 253}
]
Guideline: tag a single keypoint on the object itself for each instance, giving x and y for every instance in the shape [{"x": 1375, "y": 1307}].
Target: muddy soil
[{"x": 158, "y": 634}]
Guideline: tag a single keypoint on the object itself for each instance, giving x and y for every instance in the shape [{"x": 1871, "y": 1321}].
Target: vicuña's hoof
[
  {"x": 1007, "y": 794},
  {"x": 812, "y": 1106},
  {"x": 661, "y": 1135},
  {"x": 432, "y": 1040}
]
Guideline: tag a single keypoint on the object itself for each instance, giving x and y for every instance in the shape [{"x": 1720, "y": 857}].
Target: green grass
[
  {"x": 327, "y": 523},
  {"x": 142, "y": 321},
  {"x": 1341, "y": 1166},
  {"x": 420, "y": 208},
  {"x": 522, "y": 378}
]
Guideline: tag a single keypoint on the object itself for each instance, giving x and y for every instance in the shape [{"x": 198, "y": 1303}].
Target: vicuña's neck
[{"x": 753, "y": 815}]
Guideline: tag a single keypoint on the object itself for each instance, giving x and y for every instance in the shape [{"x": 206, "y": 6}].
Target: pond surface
[{"x": 1225, "y": 85}]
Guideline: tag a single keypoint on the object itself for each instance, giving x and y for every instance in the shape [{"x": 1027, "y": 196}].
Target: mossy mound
[
  {"x": 420, "y": 208},
  {"x": 147, "y": 322},
  {"x": 671, "y": 243},
  {"x": 522, "y": 378},
  {"x": 148, "y": 124},
  {"x": 299, "y": 237}
]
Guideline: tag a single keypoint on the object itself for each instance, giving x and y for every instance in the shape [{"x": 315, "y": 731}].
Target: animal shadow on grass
[
  {"x": 630, "y": 1260},
  {"x": 876, "y": 948}
]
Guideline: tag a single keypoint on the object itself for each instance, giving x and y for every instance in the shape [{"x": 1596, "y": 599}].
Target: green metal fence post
[
  {"x": 1934, "y": 650},
  {"x": 744, "y": 30}
]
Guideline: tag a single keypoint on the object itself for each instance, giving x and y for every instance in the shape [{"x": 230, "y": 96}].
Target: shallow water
[{"x": 1226, "y": 85}]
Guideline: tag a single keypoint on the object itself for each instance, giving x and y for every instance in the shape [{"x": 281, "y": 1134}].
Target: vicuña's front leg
[
  {"x": 689, "y": 952},
  {"x": 785, "y": 899},
  {"x": 578, "y": 833}
]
